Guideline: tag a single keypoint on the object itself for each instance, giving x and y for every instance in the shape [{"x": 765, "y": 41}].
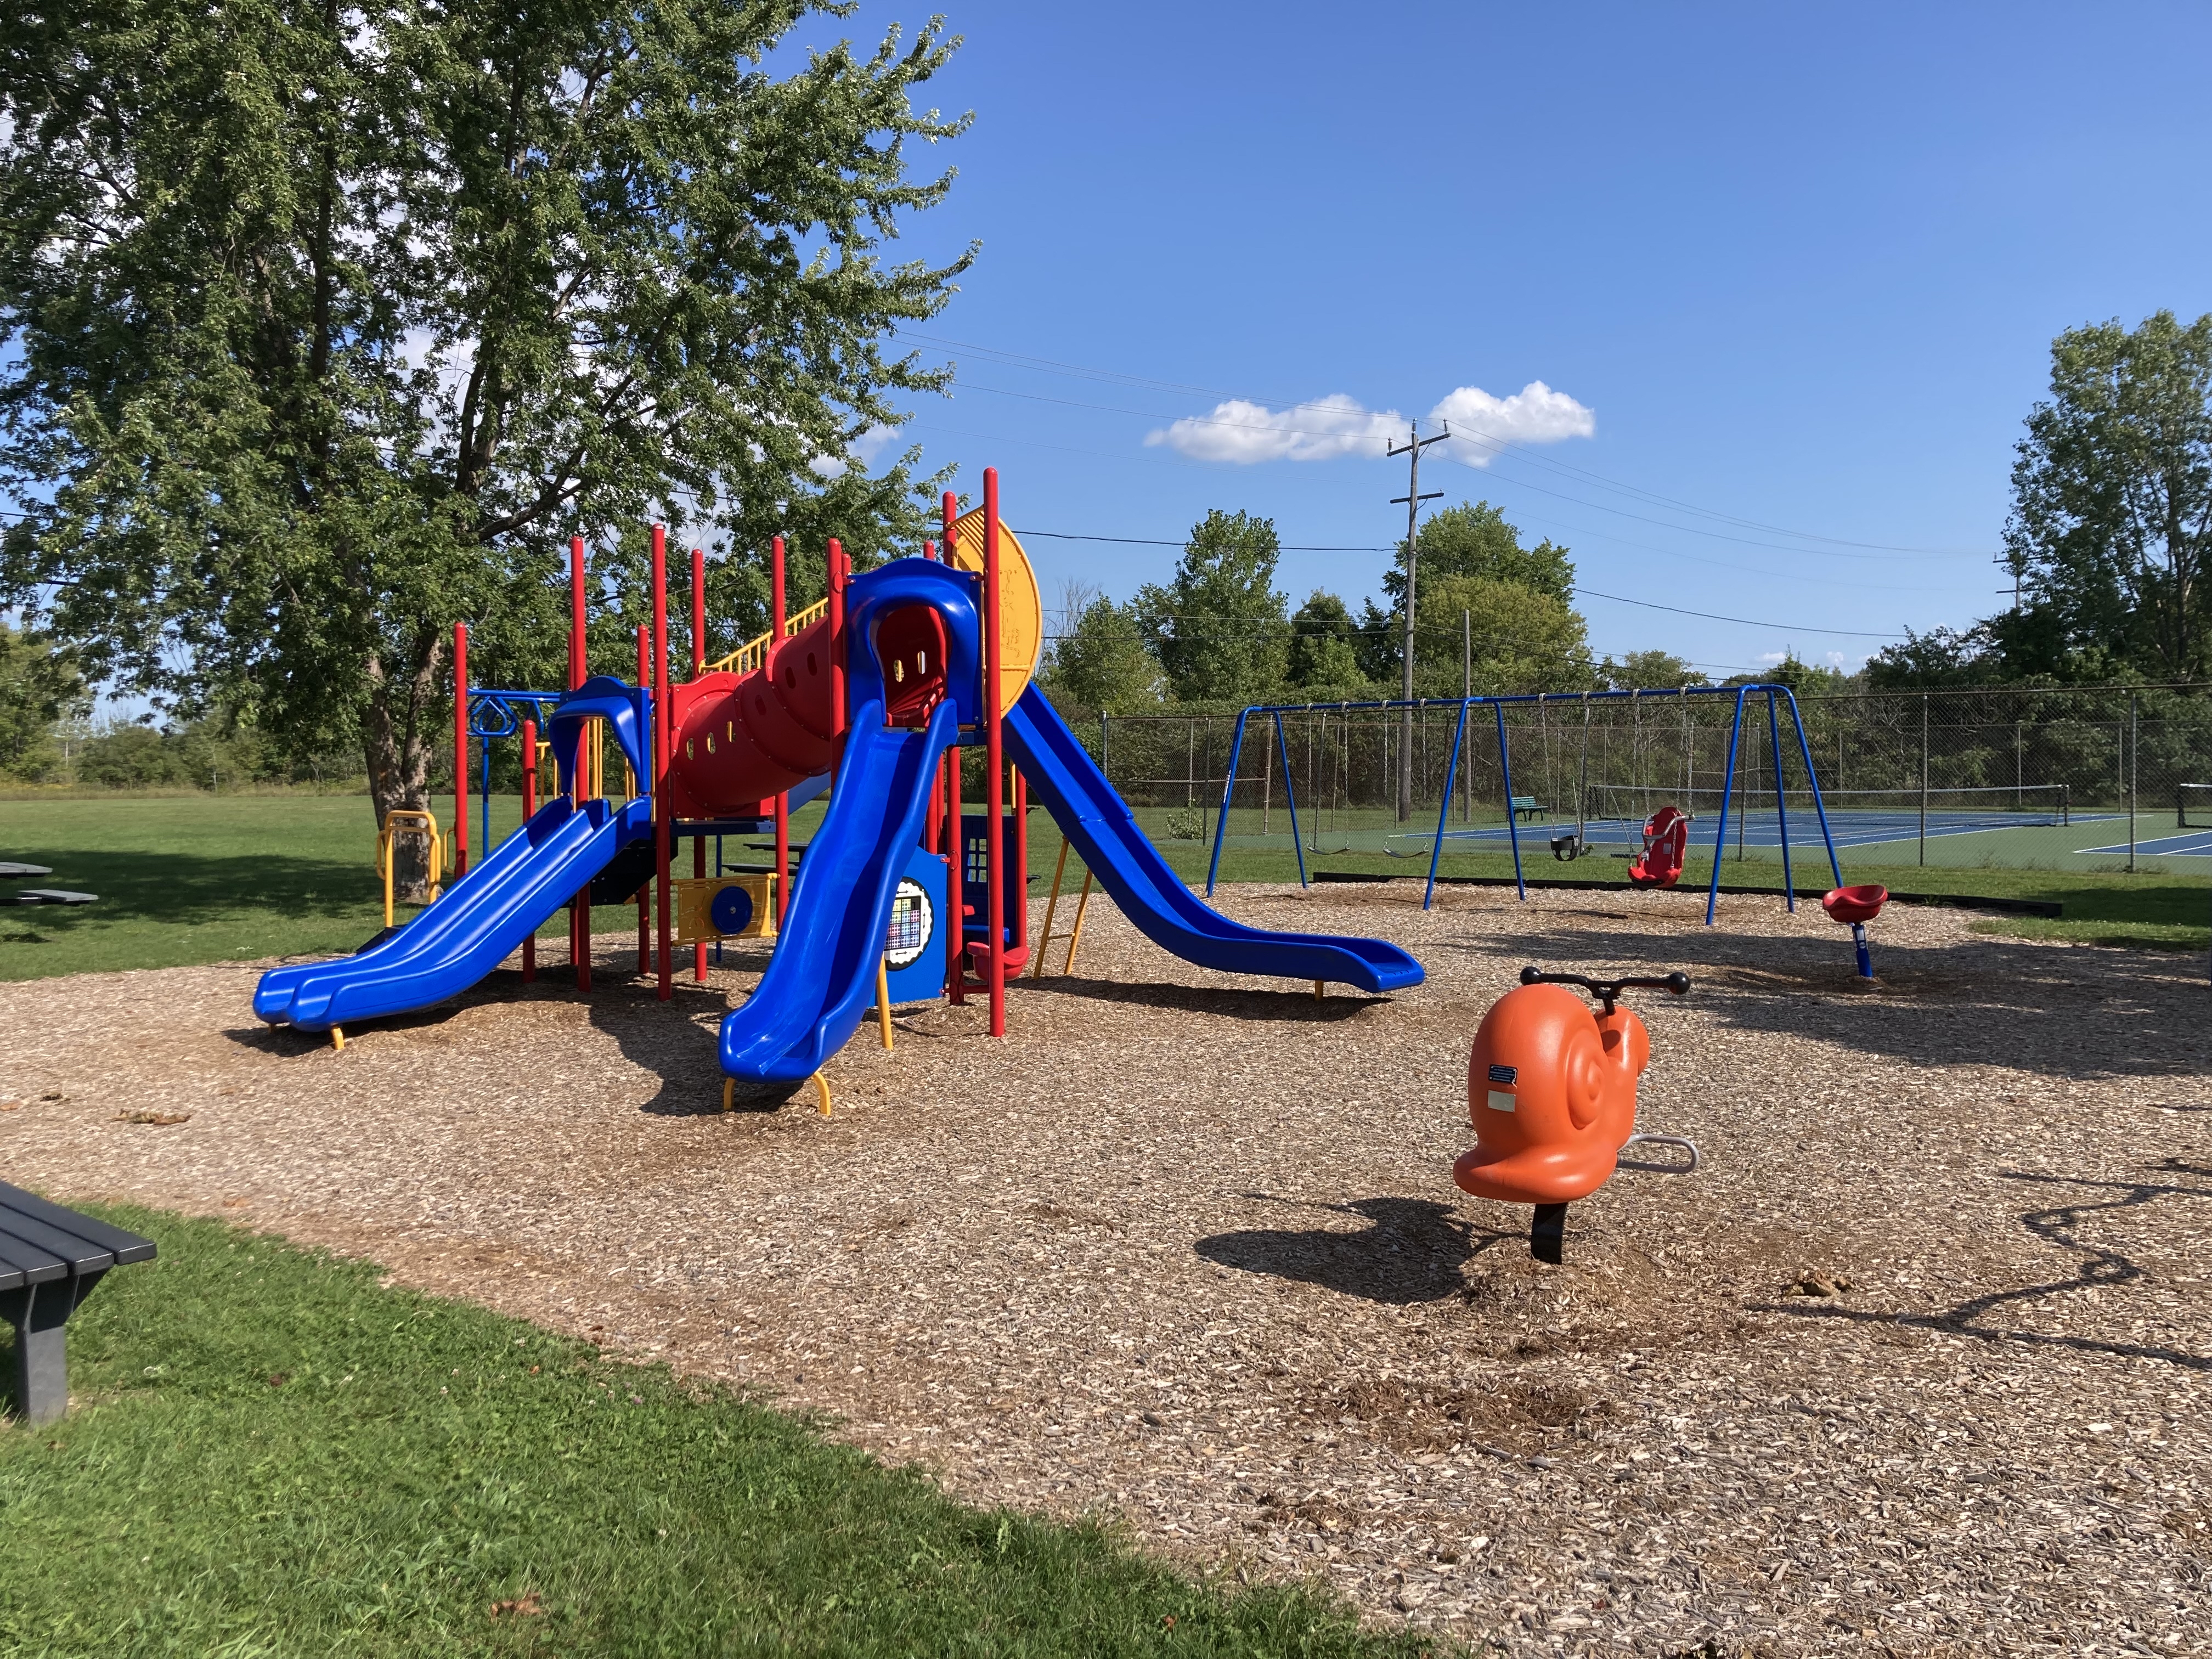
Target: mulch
[{"x": 1919, "y": 1362}]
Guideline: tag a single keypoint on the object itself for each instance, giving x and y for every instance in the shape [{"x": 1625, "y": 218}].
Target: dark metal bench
[{"x": 50, "y": 1259}]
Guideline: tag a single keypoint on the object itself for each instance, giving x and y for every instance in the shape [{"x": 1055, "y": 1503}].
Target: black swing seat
[{"x": 50, "y": 1259}]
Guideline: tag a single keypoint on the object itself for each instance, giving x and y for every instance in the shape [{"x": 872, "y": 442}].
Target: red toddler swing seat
[{"x": 1666, "y": 838}]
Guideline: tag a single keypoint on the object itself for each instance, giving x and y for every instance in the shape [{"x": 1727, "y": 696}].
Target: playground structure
[
  {"x": 1551, "y": 1089},
  {"x": 871, "y": 694}
]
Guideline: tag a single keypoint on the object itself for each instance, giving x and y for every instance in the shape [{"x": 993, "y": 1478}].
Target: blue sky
[{"x": 1797, "y": 268}]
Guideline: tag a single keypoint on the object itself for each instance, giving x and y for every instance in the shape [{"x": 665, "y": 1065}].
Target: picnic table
[{"x": 50, "y": 1259}]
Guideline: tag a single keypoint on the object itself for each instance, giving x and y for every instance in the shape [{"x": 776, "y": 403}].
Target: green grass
[
  {"x": 2152, "y": 908},
  {"x": 196, "y": 878},
  {"x": 271, "y": 1454}
]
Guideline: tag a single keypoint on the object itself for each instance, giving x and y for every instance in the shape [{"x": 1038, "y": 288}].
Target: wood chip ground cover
[{"x": 1917, "y": 1363}]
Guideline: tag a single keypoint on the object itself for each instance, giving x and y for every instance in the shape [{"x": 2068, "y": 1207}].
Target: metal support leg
[
  {"x": 38, "y": 1313},
  {"x": 1548, "y": 1233}
]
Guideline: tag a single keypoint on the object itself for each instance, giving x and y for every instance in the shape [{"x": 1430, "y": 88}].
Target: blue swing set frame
[{"x": 1774, "y": 693}]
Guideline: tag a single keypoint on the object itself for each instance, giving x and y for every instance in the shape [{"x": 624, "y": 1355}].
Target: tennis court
[{"x": 2191, "y": 844}]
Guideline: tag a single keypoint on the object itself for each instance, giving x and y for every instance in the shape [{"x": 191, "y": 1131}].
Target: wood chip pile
[{"x": 1919, "y": 1362}]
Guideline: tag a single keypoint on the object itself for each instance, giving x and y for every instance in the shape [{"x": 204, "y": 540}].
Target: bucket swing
[
  {"x": 1855, "y": 907},
  {"x": 1551, "y": 1089},
  {"x": 1666, "y": 840}
]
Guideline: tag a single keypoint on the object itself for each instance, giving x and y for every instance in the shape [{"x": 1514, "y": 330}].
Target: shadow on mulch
[
  {"x": 1300, "y": 1006},
  {"x": 2102, "y": 1268},
  {"x": 1411, "y": 1251},
  {"x": 1933, "y": 1004}
]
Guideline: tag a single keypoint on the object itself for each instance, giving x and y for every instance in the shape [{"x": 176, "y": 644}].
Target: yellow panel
[
  {"x": 1021, "y": 607},
  {"x": 694, "y": 898}
]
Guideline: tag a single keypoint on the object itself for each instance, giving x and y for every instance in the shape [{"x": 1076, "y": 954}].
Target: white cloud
[
  {"x": 1244, "y": 433},
  {"x": 1534, "y": 415},
  {"x": 1321, "y": 430}
]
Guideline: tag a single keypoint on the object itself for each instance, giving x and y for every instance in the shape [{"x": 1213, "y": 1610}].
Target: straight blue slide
[
  {"x": 471, "y": 928},
  {"x": 822, "y": 978},
  {"x": 1090, "y": 814}
]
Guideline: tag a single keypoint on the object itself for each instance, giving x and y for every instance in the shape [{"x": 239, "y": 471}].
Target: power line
[
  {"x": 1499, "y": 443},
  {"x": 1711, "y": 615}
]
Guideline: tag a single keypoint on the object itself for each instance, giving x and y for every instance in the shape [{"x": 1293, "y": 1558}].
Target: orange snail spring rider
[{"x": 1551, "y": 1088}]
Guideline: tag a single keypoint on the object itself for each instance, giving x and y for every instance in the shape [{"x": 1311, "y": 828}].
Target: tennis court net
[{"x": 2196, "y": 806}]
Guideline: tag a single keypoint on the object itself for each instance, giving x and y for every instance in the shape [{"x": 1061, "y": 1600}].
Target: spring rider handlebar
[{"x": 1552, "y": 1095}]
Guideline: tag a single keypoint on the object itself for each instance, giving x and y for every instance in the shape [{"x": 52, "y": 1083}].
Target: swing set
[{"x": 1666, "y": 830}]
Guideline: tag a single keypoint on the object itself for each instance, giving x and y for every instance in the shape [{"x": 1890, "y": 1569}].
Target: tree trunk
[{"x": 397, "y": 748}]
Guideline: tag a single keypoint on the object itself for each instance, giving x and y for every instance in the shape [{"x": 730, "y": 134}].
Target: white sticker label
[{"x": 1500, "y": 1100}]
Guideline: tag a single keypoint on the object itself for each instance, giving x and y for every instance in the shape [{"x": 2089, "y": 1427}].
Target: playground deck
[{"x": 1185, "y": 1248}]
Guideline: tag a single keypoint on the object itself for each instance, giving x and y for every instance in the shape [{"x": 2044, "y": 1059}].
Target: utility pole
[{"x": 1412, "y": 448}]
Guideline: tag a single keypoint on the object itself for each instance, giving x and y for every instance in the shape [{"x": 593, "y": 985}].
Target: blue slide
[
  {"x": 1064, "y": 777},
  {"x": 822, "y": 978},
  {"x": 469, "y": 930}
]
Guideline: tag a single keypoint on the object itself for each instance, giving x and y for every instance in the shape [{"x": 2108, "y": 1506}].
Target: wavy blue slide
[
  {"x": 469, "y": 930},
  {"x": 1092, "y": 815},
  {"x": 822, "y": 979}
]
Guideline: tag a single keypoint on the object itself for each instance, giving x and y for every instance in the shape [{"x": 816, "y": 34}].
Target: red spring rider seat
[
  {"x": 1855, "y": 907},
  {"x": 1551, "y": 1088},
  {"x": 1666, "y": 838}
]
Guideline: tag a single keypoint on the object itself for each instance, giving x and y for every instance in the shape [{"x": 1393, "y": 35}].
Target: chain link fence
[{"x": 2083, "y": 778}]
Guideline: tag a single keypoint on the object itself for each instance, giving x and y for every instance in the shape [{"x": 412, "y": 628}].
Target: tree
[
  {"x": 1218, "y": 627},
  {"x": 39, "y": 686},
  {"x": 1522, "y": 640},
  {"x": 1324, "y": 658},
  {"x": 1474, "y": 539},
  {"x": 325, "y": 328},
  {"x": 1379, "y": 643},
  {"x": 2111, "y": 529},
  {"x": 1100, "y": 665},
  {"x": 1653, "y": 670}
]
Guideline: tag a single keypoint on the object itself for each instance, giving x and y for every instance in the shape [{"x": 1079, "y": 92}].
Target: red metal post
[
  {"x": 698, "y": 667},
  {"x": 460, "y": 750},
  {"x": 662, "y": 727},
  {"x": 576, "y": 653},
  {"x": 580, "y": 908},
  {"x": 783, "y": 799},
  {"x": 645, "y": 893},
  {"x": 993, "y": 755},
  {"x": 955, "y": 842},
  {"x": 836, "y": 570},
  {"x": 529, "y": 810}
]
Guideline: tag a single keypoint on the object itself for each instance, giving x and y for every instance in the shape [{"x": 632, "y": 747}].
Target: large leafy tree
[
  {"x": 1324, "y": 659},
  {"x": 1475, "y": 539},
  {"x": 39, "y": 686},
  {"x": 2110, "y": 530},
  {"x": 1515, "y": 638},
  {"x": 326, "y": 327},
  {"x": 1219, "y": 627},
  {"x": 1100, "y": 663}
]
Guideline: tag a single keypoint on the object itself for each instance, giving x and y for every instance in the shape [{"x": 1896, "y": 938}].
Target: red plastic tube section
[{"x": 740, "y": 742}]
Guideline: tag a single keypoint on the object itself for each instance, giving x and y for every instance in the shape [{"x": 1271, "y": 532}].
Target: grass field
[
  {"x": 196, "y": 878},
  {"x": 271, "y": 1454}
]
